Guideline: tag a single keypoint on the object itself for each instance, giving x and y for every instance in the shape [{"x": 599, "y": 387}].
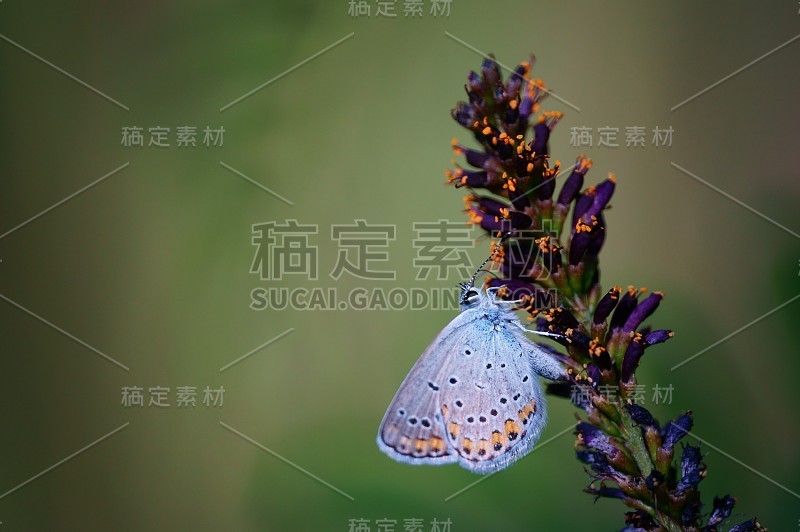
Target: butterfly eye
[{"x": 468, "y": 296}]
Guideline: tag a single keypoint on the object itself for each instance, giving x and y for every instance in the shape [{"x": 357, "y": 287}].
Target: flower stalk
[{"x": 555, "y": 227}]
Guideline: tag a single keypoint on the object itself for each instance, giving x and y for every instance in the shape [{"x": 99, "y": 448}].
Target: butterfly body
[{"x": 473, "y": 397}]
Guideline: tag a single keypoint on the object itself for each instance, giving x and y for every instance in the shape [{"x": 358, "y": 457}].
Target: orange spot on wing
[
  {"x": 512, "y": 428},
  {"x": 483, "y": 447},
  {"x": 466, "y": 445},
  {"x": 403, "y": 446},
  {"x": 452, "y": 428},
  {"x": 437, "y": 445},
  {"x": 498, "y": 440},
  {"x": 528, "y": 411}
]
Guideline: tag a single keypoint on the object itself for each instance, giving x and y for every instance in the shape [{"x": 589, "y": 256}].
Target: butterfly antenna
[{"x": 491, "y": 256}]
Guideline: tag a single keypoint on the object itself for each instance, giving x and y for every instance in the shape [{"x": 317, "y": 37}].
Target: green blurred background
[{"x": 151, "y": 266}]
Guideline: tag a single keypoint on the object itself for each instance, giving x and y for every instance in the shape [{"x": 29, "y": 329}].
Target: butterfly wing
[
  {"x": 542, "y": 362},
  {"x": 412, "y": 430},
  {"x": 493, "y": 407}
]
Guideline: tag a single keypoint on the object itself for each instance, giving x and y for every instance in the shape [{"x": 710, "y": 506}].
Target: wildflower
[{"x": 553, "y": 238}]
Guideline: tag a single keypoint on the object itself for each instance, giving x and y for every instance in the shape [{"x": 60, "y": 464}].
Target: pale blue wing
[
  {"x": 494, "y": 408},
  {"x": 412, "y": 431}
]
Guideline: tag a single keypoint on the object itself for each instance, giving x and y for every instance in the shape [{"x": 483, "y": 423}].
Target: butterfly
[{"x": 473, "y": 397}]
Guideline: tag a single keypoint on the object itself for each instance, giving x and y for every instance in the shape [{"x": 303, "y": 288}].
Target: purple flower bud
[
  {"x": 526, "y": 107},
  {"x": 563, "y": 320},
  {"x": 673, "y": 431},
  {"x": 474, "y": 81},
  {"x": 516, "y": 79},
  {"x": 594, "y": 438},
  {"x": 606, "y": 305},
  {"x": 582, "y": 205},
  {"x": 600, "y": 465},
  {"x": 751, "y": 525},
  {"x": 541, "y": 134},
  {"x": 571, "y": 188},
  {"x": 593, "y": 372},
  {"x": 474, "y": 157},
  {"x": 464, "y": 114},
  {"x": 490, "y": 71},
  {"x": 624, "y": 308},
  {"x": 656, "y": 337},
  {"x": 641, "y": 416},
  {"x": 598, "y": 237},
  {"x": 490, "y": 205},
  {"x": 478, "y": 179},
  {"x": 631, "y": 359},
  {"x": 519, "y": 220},
  {"x": 692, "y": 469},
  {"x": 497, "y": 224},
  {"x": 551, "y": 259},
  {"x": 546, "y": 188},
  {"x": 474, "y": 98},
  {"x": 642, "y": 311},
  {"x": 578, "y": 246},
  {"x": 499, "y": 94},
  {"x": 591, "y": 457},
  {"x": 723, "y": 506},
  {"x": 602, "y": 195},
  {"x": 608, "y": 492}
]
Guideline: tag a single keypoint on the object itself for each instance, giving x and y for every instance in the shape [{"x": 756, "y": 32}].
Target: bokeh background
[{"x": 152, "y": 265}]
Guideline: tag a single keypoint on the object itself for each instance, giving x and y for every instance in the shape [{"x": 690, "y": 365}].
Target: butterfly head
[{"x": 470, "y": 296}]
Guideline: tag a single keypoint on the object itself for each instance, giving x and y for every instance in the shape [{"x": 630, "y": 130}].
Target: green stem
[
  {"x": 638, "y": 447},
  {"x": 636, "y": 443}
]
